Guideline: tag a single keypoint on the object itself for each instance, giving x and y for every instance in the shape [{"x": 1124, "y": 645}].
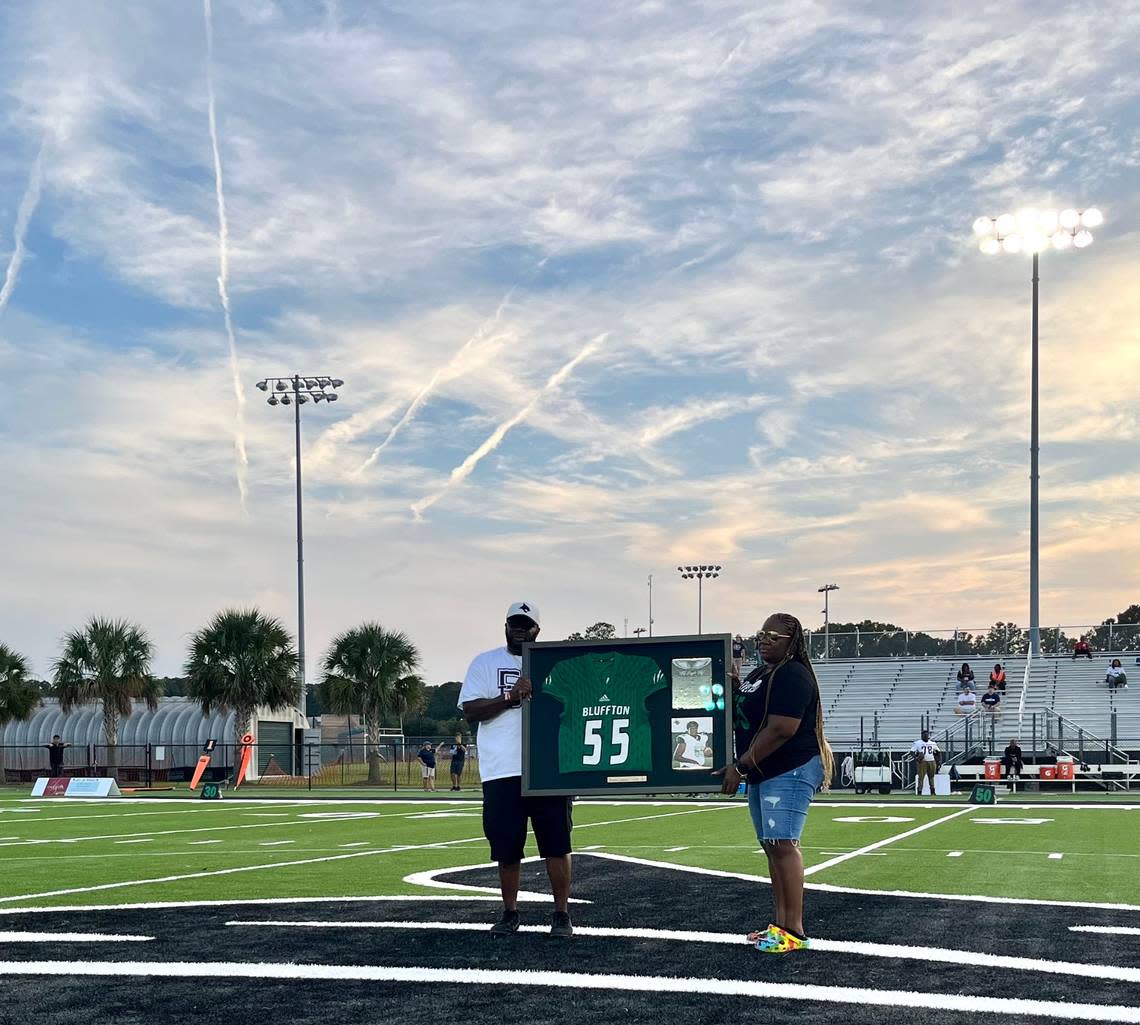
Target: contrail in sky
[
  {"x": 463, "y": 470},
  {"x": 441, "y": 373},
  {"x": 19, "y": 232},
  {"x": 242, "y": 459}
]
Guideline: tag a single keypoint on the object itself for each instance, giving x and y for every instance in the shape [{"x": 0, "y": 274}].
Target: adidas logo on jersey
[{"x": 604, "y": 697}]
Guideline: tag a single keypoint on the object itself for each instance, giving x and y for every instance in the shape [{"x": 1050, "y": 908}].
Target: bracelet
[{"x": 740, "y": 771}]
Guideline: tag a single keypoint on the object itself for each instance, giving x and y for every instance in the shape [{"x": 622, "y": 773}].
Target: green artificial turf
[{"x": 354, "y": 849}]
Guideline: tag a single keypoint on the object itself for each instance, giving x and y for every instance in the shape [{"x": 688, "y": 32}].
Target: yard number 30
[{"x": 619, "y": 737}]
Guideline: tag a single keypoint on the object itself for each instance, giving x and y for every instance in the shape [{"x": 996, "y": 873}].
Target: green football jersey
[{"x": 604, "y": 722}]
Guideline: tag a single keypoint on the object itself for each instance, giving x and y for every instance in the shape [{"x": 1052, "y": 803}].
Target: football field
[{"x": 163, "y": 909}]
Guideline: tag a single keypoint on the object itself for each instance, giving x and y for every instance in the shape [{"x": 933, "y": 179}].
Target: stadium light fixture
[
  {"x": 296, "y": 391},
  {"x": 700, "y": 574},
  {"x": 1035, "y": 231}
]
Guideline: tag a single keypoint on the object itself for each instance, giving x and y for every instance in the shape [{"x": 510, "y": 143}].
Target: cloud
[{"x": 28, "y": 203}]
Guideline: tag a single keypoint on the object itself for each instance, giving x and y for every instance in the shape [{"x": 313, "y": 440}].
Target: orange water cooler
[
  {"x": 1048, "y": 772},
  {"x": 993, "y": 768},
  {"x": 1066, "y": 770}
]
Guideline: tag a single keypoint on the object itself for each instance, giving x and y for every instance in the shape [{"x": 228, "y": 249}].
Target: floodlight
[
  {"x": 991, "y": 245},
  {"x": 1047, "y": 220},
  {"x": 280, "y": 385},
  {"x": 1005, "y": 224},
  {"x": 1069, "y": 218},
  {"x": 984, "y": 226},
  {"x": 1036, "y": 240},
  {"x": 285, "y": 400},
  {"x": 331, "y": 396},
  {"x": 1082, "y": 238},
  {"x": 1092, "y": 218},
  {"x": 263, "y": 385},
  {"x": 272, "y": 400},
  {"x": 337, "y": 383},
  {"x": 1027, "y": 220},
  {"x": 1012, "y": 244},
  {"x": 1062, "y": 239}
]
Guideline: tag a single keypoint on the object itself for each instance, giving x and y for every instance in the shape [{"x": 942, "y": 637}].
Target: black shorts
[
  {"x": 505, "y": 815},
  {"x": 457, "y": 767}
]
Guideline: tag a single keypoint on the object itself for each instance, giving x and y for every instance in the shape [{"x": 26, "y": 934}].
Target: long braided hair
[{"x": 798, "y": 652}]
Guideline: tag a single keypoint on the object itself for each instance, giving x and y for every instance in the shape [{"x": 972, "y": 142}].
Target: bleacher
[
  {"x": 1076, "y": 690},
  {"x": 885, "y": 702}
]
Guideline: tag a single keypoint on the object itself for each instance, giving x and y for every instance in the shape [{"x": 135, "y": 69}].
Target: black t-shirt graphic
[{"x": 794, "y": 695}]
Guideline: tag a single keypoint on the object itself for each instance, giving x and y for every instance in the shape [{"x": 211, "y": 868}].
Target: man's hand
[
  {"x": 732, "y": 778},
  {"x": 522, "y": 690}
]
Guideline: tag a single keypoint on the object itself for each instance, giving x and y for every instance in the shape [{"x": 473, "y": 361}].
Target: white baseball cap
[{"x": 525, "y": 608}]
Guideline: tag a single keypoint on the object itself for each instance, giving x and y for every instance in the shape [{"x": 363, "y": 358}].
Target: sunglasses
[{"x": 771, "y": 635}]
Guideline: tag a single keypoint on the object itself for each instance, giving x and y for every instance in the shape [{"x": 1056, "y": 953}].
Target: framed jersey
[{"x": 626, "y": 716}]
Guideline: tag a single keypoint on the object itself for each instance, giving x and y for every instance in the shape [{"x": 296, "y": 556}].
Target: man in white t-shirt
[
  {"x": 927, "y": 755},
  {"x": 967, "y": 703},
  {"x": 492, "y": 695}
]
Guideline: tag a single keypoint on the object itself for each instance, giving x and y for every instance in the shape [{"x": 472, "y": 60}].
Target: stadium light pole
[
  {"x": 702, "y": 573},
  {"x": 826, "y": 592},
  {"x": 1034, "y": 231},
  {"x": 295, "y": 391},
  {"x": 650, "y": 604}
]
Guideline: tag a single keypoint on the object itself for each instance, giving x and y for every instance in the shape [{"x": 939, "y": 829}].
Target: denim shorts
[{"x": 779, "y": 805}]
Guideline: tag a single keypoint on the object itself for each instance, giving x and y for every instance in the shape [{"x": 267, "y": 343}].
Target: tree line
[{"x": 240, "y": 660}]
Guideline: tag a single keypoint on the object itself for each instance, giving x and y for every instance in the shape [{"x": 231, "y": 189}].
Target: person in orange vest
[{"x": 997, "y": 677}]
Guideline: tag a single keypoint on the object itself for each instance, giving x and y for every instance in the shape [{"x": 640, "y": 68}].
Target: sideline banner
[
  {"x": 80, "y": 786},
  {"x": 627, "y": 716}
]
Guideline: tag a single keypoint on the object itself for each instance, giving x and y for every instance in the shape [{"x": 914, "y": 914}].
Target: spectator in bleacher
[
  {"x": 1011, "y": 759},
  {"x": 927, "y": 760},
  {"x": 991, "y": 700},
  {"x": 1115, "y": 676},
  {"x": 965, "y": 678},
  {"x": 1082, "y": 647},
  {"x": 967, "y": 702},
  {"x": 737, "y": 654},
  {"x": 997, "y": 675}
]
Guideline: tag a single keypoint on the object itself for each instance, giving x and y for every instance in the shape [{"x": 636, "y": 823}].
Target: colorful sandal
[{"x": 779, "y": 941}]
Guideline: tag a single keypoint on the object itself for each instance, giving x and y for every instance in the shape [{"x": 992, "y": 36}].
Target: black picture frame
[{"x": 543, "y": 715}]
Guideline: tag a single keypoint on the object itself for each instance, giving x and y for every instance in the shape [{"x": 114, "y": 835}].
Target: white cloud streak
[
  {"x": 448, "y": 370},
  {"x": 24, "y": 213},
  {"x": 240, "y": 456},
  {"x": 464, "y": 469}
]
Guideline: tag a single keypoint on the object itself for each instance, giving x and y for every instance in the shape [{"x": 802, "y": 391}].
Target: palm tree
[
  {"x": 107, "y": 661},
  {"x": 240, "y": 660},
  {"x": 19, "y": 697},
  {"x": 373, "y": 670}
]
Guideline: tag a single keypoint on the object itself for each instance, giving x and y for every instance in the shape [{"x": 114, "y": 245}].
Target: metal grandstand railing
[{"x": 1087, "y": 744}]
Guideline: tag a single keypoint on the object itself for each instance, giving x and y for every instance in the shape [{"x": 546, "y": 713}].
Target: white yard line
[
  {"x": 144, "y": 840},
  {"x": 838, "y": 860},
  {"x": 70, "y": 937},
  {"x": 942, "y": 955},
  {"x": 194, "y": 829},
  {"x": 275, "y": 843},
  {"x": 164, "y": 905},
  {"x": 1056, "y": 857},
  {"x": 423, "y": 975},
  {"x": 1107, "y": 930}
]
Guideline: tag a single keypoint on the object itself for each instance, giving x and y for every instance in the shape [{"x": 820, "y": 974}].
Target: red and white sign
[{"x": 80, "y": 786}]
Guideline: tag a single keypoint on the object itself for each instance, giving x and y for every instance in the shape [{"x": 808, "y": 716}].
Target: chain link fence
[{"x": 392, "y": 765}]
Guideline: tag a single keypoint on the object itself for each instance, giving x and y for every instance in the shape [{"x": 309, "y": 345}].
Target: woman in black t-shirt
[{"x": 783, "y": 754}]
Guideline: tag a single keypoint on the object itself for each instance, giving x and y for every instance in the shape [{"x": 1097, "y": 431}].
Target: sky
[{"x": 612, "y": 287}]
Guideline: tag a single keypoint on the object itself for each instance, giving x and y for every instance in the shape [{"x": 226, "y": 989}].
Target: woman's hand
[{"x": 731, "y": 781}]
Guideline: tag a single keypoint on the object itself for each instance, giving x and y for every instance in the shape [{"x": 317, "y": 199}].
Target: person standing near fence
[
  {"x": 492, "y": 696},
  {"x": 458, "y": 757},
  {"x": 55, "y": 755},
  {"x": 427, "y": 765}
]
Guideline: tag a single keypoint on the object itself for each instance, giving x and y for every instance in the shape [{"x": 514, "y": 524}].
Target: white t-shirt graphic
[{"x": 494, "y": 674}]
